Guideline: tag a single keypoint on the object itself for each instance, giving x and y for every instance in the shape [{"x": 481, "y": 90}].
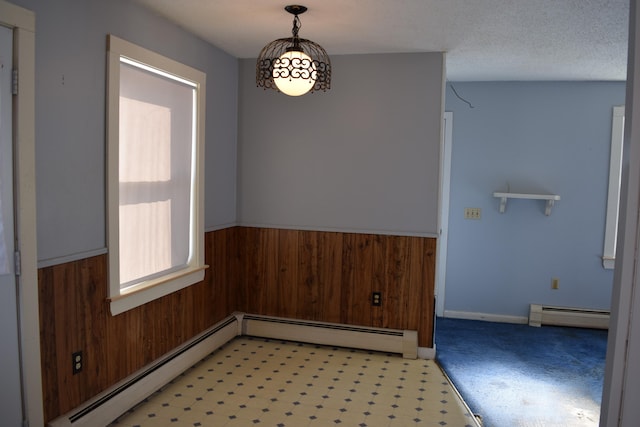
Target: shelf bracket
[
  {"x": 547, "y": 210},
  {"x": 503, "y": 204}
]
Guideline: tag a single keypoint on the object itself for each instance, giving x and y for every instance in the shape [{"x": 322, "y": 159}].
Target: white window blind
[{"x": 156, "y": 144}]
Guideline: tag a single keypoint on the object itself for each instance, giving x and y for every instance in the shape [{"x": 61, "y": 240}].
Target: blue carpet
[{"x": 518, "y": 375}]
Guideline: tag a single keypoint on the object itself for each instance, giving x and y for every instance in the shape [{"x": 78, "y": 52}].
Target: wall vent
[{"x": 568, "y": 316}]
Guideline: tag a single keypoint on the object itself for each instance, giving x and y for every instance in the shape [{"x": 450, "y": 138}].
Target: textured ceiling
[{"x": 484, "y": 39}]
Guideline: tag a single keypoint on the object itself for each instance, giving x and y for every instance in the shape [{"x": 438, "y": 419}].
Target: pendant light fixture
[{"x": 292, "y": 65}]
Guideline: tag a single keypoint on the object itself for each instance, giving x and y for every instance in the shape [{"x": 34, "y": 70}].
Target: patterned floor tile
[{"x": 261, "y": 382}]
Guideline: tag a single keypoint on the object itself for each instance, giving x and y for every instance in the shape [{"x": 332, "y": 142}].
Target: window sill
[{"x": 140, "y": 295}]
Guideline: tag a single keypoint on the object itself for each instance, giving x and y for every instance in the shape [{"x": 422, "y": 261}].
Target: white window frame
[
  {"x": 613, "y": 199},
  {"x": 122, "y": 300}
]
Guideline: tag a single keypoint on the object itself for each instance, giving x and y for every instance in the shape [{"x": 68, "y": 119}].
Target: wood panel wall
[
  {"x": 74, "y": 316},
  {"x": 298, "y": 274},
  {"x": 330, "y": 276}
]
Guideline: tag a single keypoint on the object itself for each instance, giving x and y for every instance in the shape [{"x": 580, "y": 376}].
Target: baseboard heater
[
  {"x": 404, "y": 342},
  {"x": 568, "y": 316},
  {"x": 110, "y": 404}
]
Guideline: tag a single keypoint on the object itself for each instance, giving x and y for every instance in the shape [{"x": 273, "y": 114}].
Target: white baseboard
[
  {"x": 487, "y": 317},
  {"x": 111, "y": 403},
  {"x": 427, "y": 352},
  {"x": 108, "y": 405}
]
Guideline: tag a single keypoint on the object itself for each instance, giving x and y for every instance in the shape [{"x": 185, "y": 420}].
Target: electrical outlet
[
  {"x": 472, "y": 213},
  {"x": 77, "y": 362},
  {"x": 376, "y": 299},
  {"x": 555, "y": 283}
]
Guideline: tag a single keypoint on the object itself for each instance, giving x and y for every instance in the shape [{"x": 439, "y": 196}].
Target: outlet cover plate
[
  {"x": 76, "y": 359},
  {"x": 376, "y": 299}
]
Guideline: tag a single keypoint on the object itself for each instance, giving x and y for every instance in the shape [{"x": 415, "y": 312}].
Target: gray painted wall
[
  {"x": 537, "y": 136},
  {"x": 70, "y": 111},
  {"x": 362, "y": 157}
]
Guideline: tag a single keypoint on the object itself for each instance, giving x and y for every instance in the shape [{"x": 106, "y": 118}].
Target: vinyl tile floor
[{"x": 261, "y": 382}]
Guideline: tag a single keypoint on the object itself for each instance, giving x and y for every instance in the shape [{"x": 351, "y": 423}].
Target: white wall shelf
[{"x": 550, "y": 198}]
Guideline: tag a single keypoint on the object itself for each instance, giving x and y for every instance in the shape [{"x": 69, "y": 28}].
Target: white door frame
[
  {"x": 22, "y": 22},
  {"x": 622, "y": 373},
  {"x": 11, "y": 406},
  {"x": 443, "y": 214}
]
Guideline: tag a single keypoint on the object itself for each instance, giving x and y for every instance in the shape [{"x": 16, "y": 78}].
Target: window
[
  {"x": 613, "y": 199},
  {"x": 155, "y": 140}
]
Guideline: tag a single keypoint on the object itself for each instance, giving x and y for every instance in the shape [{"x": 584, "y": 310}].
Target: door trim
[
  {"x": 22, "y": 21},
  {"x": 443, "y": 214}
]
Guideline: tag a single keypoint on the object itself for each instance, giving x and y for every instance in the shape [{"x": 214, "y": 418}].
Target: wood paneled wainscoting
[
  {"x": 325, "y": 276},
  {"x": 75, "y": 316},
  {"x": 330, "y": 276}
]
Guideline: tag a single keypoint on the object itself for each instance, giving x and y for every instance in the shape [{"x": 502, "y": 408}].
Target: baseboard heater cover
[
  {"x": 108, "y": 405},
  {"x": 568, "y": 316},
  {"x": 404, "y": 342}
]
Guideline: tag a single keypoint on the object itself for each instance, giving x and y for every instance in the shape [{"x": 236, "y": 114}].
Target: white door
[
  {"x": 441, "y": 250},
  {"x": 10, "y": 385}
]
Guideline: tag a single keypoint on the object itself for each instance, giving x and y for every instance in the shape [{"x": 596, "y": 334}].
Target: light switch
[{"x": 472, "y": 213}]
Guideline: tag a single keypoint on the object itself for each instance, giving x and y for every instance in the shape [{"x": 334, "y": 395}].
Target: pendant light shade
[{"x": 292, "y": 65}]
